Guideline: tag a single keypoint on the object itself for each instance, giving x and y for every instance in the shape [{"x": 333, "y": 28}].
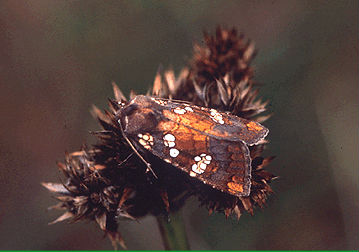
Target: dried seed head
[
  {"x": 225, "y": 53},
  {"x": 108, "y": 182}
]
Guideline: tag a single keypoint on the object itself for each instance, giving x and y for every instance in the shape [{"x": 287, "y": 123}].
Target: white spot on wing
[
  {"x": 174, "y": 152},
  {"x": 169, "y": 140},
  {"x": 192, "y": 174},
  {"x": 146, "y": 140},
  {"x": 201, "y": 163},
  {"x": 160, "y": 102},
  {"x": 169, "y": 137},
  {"x": 142, "y": 142},
  {"x": 202, "y": 166},
  {"x": 171, "y": 144},
  {"x": 179, "y": 111},
  {"x": 216, "y": 116}
]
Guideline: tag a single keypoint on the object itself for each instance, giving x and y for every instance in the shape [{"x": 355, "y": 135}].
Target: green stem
[{"x": 173, "y": 232}]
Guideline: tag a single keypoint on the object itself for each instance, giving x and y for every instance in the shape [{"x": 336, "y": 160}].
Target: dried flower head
[{"x": 108, "y": 181}]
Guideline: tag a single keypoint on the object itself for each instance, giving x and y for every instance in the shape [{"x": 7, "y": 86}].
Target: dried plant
[{"x": 108, "y": 182}]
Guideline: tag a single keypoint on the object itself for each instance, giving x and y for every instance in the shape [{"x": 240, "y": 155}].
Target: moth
[{"x": 209, "y": 145}]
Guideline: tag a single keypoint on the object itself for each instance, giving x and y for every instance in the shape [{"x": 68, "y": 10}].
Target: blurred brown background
[{"x": 57, "y": 58}]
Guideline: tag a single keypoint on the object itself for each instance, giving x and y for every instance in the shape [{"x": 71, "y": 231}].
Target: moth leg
[
  {"x": 125, "y": 160},
  {"x": 138, "y": 154}
]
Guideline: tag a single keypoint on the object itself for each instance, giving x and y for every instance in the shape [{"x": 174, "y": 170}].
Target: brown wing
[
  {"x": 221, "y": 163},
  {"x": 214, "y": 123}
]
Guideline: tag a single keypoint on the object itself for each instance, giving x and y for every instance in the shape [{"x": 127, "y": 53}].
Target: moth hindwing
[{"x": 206, "y": 144}]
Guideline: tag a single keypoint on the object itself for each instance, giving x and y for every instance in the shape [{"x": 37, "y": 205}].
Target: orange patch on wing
[
  {"x": 237, "y": 179},
  {"x": 189, "y": 120},
  {"x": 166, "y": 126},
  {"x": 192, "y": 120},
  {"x": 190, "y": 139},
  {"x": 254, "y": 126},
  {"x": 235, "y": 187}
]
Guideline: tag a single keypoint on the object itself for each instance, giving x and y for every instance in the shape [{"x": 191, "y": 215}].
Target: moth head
[{"x": 137, "y": 116}]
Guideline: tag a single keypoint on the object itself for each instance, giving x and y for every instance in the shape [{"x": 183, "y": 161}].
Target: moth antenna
[
  {"x": 124, "y": 161},
  {"x": 137, "y": 153}
]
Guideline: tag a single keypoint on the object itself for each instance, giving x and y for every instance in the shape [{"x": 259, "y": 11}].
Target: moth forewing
[{"x": 207, "y": 144}]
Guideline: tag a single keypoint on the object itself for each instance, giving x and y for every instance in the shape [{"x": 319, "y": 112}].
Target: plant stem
[{"x": 173, "y": 232}]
